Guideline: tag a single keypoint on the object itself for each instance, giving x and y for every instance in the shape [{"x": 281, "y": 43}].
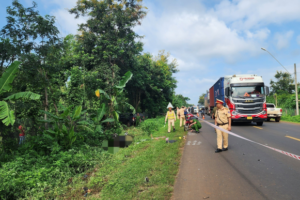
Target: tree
[
  {"x": 201, "y": 99},
  {"x": 107, "y": 39},
  {"x": 153, "y": 84},
  {"x": 283, "y": 84},
  {"x": 34, "y": 41},
  {"x": 179, "y": 101}
]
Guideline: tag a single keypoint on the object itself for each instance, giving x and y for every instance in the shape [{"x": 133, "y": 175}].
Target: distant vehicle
[
  {"x": 273, "y": 112},
  {"x": 244, "y": 95},
  {"x": 206, "y": 103},
  {"x": 195, "y": 109}
]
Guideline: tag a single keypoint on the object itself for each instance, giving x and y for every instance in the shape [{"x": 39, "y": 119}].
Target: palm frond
[
  {"x": 8, "y": 77},
  {"x": 23, "y": 95},
  {"x": 6, "y": 115},
  {"x": 127, "y": 76}
]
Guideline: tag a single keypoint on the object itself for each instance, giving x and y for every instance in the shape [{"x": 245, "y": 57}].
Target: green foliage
[
  {"x": 283, "y": 84},
  {"x": 201, "y": 99},
  {"x": 32, "y": 174},
  {"x": 291, "y": 118},
  {"x": 63, "y": 126},
  {"x": 179, "y": 101},
  {"x": 151, "y": 125},
  {"x": 6, "y": 114}
]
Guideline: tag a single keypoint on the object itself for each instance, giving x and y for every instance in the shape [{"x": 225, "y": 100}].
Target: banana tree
[
  {"x": 113, "y": 98},
  {"x": 96, "y": 121},
  {"x": 64, "y": 126},
  {"x": 6, "y": 114}
]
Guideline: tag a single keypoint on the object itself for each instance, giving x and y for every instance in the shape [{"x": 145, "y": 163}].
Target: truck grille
[
  {"x": 253, "y": 100},
  {"x": 255, "y": 111},
  {"x": 248, "y": 105}
]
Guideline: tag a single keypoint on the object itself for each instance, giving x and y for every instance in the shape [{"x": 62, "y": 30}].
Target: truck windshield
[{"x": 248, "y": 91}]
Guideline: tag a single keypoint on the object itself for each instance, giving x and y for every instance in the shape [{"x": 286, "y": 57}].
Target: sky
[{"x": 208, "y": 38}]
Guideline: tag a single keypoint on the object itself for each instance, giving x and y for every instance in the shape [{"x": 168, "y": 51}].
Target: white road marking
[{"x": 193, "y": 142}]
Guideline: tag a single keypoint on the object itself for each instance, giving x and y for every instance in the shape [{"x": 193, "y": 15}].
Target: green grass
[
  {"x": 122, "y": 175},
  {"x": 291, "y": 118}
]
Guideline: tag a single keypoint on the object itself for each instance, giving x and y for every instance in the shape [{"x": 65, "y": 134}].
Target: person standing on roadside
[
  {"x": 222, "y": 120},
  {"x": 21, "y": 134},
  {"x": 182, "y": 116},
  {"x": 171, "y": 117}
]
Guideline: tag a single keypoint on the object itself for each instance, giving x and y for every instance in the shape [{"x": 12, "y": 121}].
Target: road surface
[{"x": 246, "y": 170}]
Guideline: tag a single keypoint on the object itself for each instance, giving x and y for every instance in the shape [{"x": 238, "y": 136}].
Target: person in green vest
[
  {"x": 195, "y": 125},
  {"x": 137, "y": 119}
]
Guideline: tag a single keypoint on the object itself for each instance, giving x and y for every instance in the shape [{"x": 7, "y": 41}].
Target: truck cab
[{"x": 245, "y": 96}]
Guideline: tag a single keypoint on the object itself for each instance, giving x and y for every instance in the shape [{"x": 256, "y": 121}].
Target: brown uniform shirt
[
  {"x": 222, "y": 115},
  {"x": 181, "y": 112}
]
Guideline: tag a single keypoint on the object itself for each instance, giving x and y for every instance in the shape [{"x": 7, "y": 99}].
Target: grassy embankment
[{"x": 122, "y": 175}]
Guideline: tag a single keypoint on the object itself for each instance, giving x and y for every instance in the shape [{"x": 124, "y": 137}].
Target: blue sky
[{"x": 209, "y": 38}]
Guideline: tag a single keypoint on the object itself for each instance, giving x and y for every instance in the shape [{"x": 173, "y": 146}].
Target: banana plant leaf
[
  {"x": 8, "y": 77},
  {"x": 77, "y": 112},
  {"x": 127, "y": 76},
  {"x": 6, "y": 115},
  {"x": 131, "y": 107},
  {"x": 23, "y": 95},
  {"x": 105, "y": 94},
  {"x": 108, "y": 120},
  {"x": 101, "y": 112}
]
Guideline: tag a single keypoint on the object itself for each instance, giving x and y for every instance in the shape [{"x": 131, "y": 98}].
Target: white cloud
[
  {"x": 283, "y": 40},
  {"x": 247, "y": 14}
]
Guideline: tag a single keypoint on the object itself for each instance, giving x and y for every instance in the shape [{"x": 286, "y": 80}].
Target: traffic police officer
[
  {"x": 182, "y": 116},
  {"x": 222, "y": 120},
  {"x": 171, "y": 117}
]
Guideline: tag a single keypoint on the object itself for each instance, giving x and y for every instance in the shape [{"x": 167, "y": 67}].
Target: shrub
[
  {"x": 151, "y": 125},
  {"x": 43, "y": 177}
]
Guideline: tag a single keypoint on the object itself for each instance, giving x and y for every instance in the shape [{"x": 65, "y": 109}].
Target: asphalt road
[{"x": 246, "y": 170}]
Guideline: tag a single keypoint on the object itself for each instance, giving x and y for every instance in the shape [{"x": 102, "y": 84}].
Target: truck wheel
[
  {"x": 259, "y": 123},
  {"x": 268, "y": 119},
  {"x": 277, "y": 119}
]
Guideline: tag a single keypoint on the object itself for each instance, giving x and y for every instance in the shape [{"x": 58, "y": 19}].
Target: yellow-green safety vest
[{"x": 171, "y": 115}]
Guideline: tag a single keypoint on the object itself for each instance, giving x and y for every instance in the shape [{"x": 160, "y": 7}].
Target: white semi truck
[{"x": 244, "y": 95}]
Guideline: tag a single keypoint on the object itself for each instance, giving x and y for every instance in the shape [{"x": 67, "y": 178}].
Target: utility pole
[{"x": 296, "y": 91}]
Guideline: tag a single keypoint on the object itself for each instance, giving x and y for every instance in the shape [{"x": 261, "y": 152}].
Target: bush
[
  {"x": 43, "y": 177},
  {"x": 151, "y": 125},
  {"x": 291, "y": 118}
]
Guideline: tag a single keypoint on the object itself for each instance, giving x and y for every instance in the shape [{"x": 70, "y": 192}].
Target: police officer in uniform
[{"x": 222, "y": 120}]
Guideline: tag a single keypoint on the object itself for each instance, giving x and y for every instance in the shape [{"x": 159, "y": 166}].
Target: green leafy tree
[
  {"x": 34, "y": 41},
  {"x": 201, "y": 99},
  {"x": 107, "y": 40},
  {"x": 284, "y": 83}
]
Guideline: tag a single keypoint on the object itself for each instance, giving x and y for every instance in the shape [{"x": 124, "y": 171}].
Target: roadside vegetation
[
  {"x": 283, "y": 95},
  {"x": 69, "y": 93}
]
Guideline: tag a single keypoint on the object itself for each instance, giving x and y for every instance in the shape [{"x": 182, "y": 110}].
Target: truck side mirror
[
  {"x": 267, "y": 91},
  {"x": 227, "y": 91}
]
